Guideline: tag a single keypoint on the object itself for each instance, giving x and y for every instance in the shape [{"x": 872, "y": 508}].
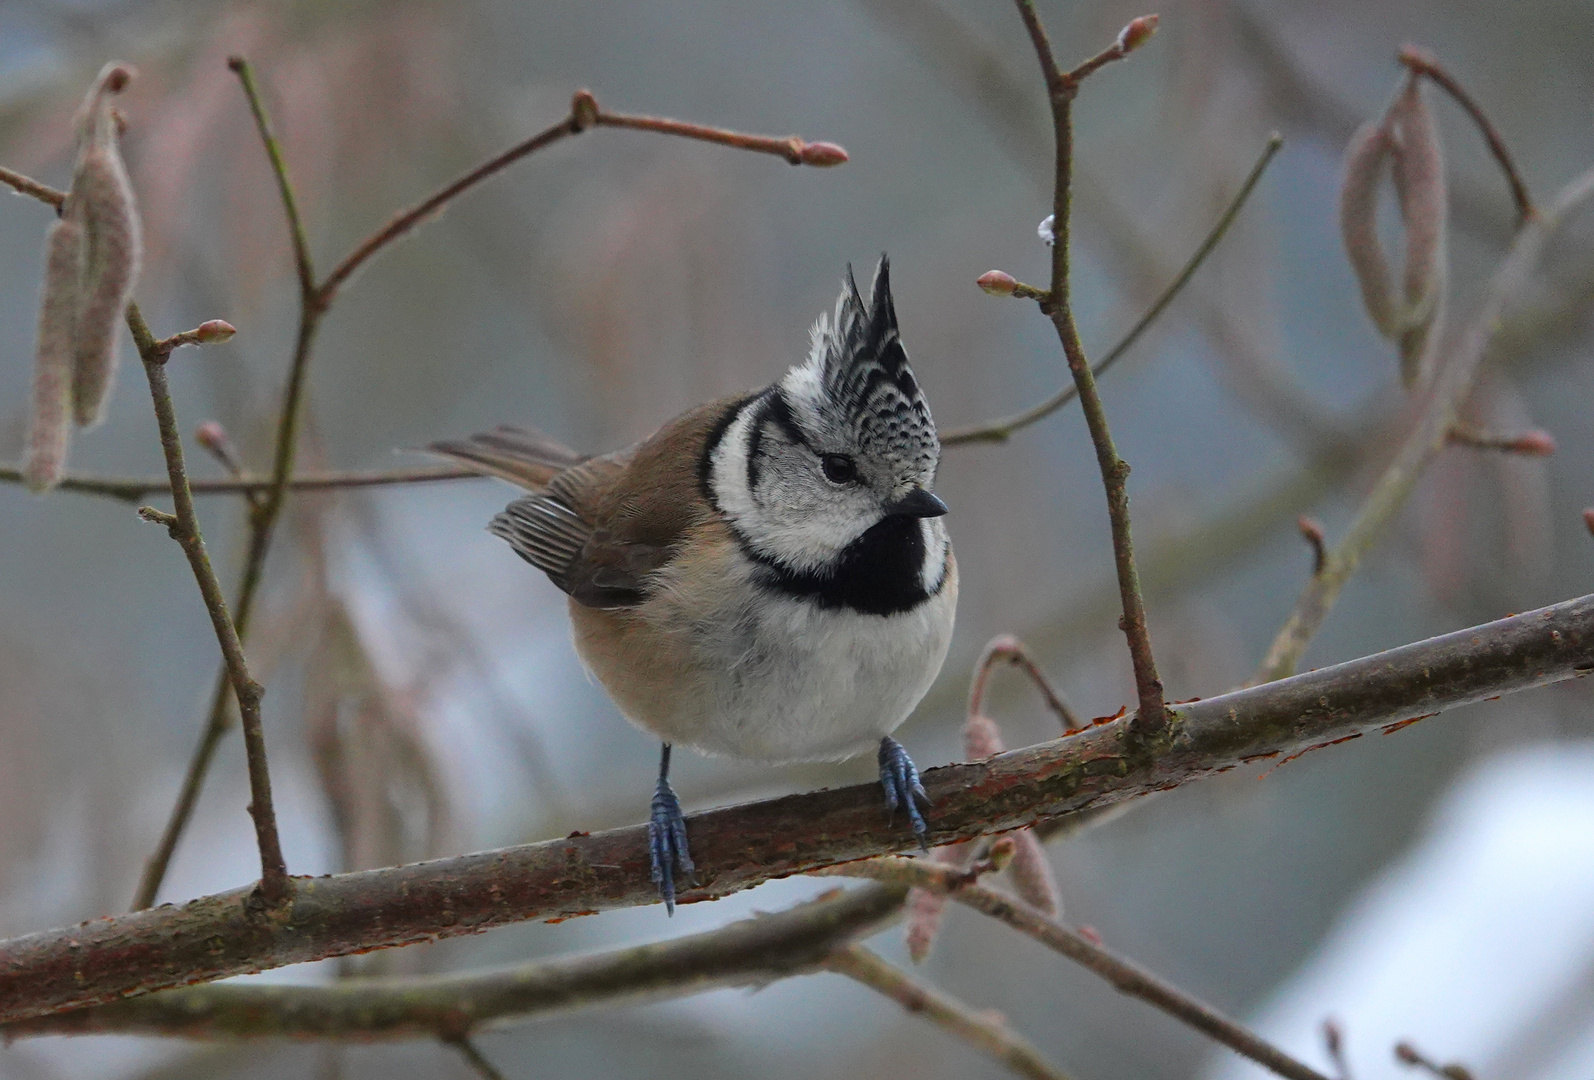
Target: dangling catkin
[
  {"x": 49, "y": 428},
  {"x": 102, "y": 202}
]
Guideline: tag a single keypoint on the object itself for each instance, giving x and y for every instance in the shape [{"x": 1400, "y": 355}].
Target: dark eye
[{"x": 839, "y": 468}]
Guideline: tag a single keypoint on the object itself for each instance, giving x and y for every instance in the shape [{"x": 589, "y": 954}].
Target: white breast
[{"x": 767, "y": 677}]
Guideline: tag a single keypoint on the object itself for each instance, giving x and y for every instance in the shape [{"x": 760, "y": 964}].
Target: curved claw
[
  {"x": 900, "y": 779},
  {"x": 667, "y": 844}
]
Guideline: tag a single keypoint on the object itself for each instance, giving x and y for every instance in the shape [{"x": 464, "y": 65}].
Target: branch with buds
[{"x": 736, "y": 847}]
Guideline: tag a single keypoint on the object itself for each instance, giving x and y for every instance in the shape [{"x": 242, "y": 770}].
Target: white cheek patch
[
  {"x": 728, "y": 469},
  {"x": 798, "y": 536}
]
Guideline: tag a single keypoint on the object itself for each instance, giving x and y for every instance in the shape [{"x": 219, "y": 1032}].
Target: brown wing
[
  {"x": 521, "y": 456},
  {"x": 600, "y": 527}
]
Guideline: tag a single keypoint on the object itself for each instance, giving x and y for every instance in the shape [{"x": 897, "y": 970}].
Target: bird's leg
[
  {"x": 901, "y": 781},
  {"x": 667, "y": 836}
]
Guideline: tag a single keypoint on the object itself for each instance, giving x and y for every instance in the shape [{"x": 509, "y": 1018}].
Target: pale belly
[{"x": 786, "y": 682}]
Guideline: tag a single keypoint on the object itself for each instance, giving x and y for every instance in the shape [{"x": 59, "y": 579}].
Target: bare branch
[
  {"x": 1001, "y": 430},
  {"x": 1005, "y": 648},
  {"x": 184, "y": 528},
  {"x": 584, "y": 113},
  {"x": 131, "y": 489},
  {"x": 737, "y": 847},
  {"x": 983, "y": 1031},
  {"x": 279, "y": 169},
  {"x": 475, "y": 1059},
  {"x": 745, "y": 952},
  {"x": 1125, "y": 975},
  {"x": 1151, "y": 719},
  {"x": 1422, "y": 62},
  {"x": 26, "y": 185},
  {"x": 1430, "y": 431}
]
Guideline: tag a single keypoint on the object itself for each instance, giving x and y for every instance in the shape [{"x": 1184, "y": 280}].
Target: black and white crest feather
[{"x": 857, "y": 380}]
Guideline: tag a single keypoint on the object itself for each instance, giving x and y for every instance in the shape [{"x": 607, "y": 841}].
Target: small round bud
[
  {"x": 1535, "y": 443},
  {"x": 1136, "y": 34},
  {"x": 584, "y": 109},
  {"x": 1407, "y": 1053},
  {"x": 997, "y": 283},
  {"x": 822, "y": 154},
  {"x": 212, "y": 436},
  {"x": 214, "y": 331},
  {"x": 1588, "y": 520}
]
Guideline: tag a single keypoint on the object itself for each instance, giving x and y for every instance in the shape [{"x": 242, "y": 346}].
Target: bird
[{"x": 767, "y": 577}]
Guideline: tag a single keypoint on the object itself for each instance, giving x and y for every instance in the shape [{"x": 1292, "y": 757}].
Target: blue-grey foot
[
  {"x": 667, "y": 837},
  {"x": 901, "y": 781}
]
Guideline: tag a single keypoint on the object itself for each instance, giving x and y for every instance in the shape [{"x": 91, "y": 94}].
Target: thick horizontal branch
[
  {"x": 449, "y": 1006},
  {"x": 740, "y": 846}
]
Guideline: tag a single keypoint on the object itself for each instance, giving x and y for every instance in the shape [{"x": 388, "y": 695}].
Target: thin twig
[
  {"x": 279, "y": 169},
  {"x": 748, "y": 951},
  {"x": 406, "y": 220},
  {"x": 1312, "y": 532},
  {"x": 1535, "y": 443},
  {"x": 264, "y": 508},
  {"x": 26, "y": 185},
  {"x": 474, "y": 1058},
  {"x": 585, "y": 113},
  {"x": 1422, "y": 62},
  {"x": 1427, "y": 436},
  {"x": 1334, "y": 1043},
  {"x": 184, "y": 528},
  {"x": 1151, "y": 718},
  {"x": 796, "y": 151},
  {"x": 984, "y": 1031},
  {"x": 1001, "y": 430},
  {"x": 1008, "y": 649},
  {"x": 1410, "y": 1056},
  {"x": 1126, "y": 976},
  {"x": 133, "y": 489},
  {"x": 736, "y": 847}
]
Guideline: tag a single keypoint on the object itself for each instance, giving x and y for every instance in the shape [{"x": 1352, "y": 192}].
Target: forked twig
[
  {"x": 184, "y": 528},
  {"x": 1001, "y": 430},
  {"x": 1151, "y": 718},
  {"x": 1125, "y": 975},
  {"x": 1009, "y": 650}
]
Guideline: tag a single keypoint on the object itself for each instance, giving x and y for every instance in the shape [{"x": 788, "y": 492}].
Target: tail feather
[{"x": 524, "y": 457}]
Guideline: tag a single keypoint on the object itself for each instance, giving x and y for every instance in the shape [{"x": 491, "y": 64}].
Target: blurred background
[{"x": 423, "y": 697}]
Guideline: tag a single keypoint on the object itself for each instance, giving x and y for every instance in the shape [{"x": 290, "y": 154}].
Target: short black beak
[{"x": 917, "y": 503}]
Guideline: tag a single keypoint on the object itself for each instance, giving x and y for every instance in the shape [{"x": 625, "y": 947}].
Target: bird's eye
[{"x": 839, "y": 468}]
